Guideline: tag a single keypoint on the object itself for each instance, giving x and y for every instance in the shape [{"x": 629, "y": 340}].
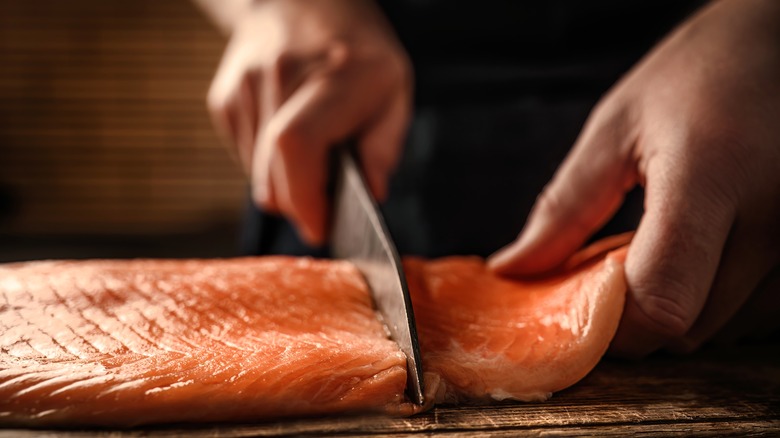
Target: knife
[{"x": 359, "y": 234}]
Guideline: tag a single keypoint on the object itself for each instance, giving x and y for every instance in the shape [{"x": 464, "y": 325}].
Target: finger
[
  {"x": 267, "y": 176},
  {"x": 265, "y": 158},
  {"x": 277, "y": 84},
  {"x": 585, "y": 192},
  {"x": 299, "y": 169},
  {"x": 739, "y": 274},
  {"x": 224, "y": 90},
  {"x": 674, "y": 255},
  {"x": 245, "y": 113},
  {"x": 229, "y": 109},
  {"x": 748, "y": 257},
  {"x": 223, "y": 118},
  {"x": 322, "y": 112},
  {"x": 381, "y": 143},
  {"x": 227, "y": 126}
]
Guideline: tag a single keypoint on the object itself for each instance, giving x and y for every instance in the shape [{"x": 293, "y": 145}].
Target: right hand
[
  {"x": 696, "y": 124},
  {"x": 297, "y": 78}
]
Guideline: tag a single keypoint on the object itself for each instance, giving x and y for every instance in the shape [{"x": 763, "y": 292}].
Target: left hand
[{"x": 697, "y": 122}]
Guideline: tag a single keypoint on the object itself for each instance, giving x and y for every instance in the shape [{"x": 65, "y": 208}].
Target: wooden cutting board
[{"x": 734, "y": 391}]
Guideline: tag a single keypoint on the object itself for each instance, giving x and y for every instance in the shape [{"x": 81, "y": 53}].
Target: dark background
[{"x": 106, "y": 149}]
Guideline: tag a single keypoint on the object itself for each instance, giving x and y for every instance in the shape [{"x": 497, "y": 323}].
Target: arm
[{"x": 697, "y": 122}]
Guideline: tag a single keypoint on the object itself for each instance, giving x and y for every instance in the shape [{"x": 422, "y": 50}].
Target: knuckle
[
  {"x": 340, "y": 53},
  {"x": 669, "y": 306},
  {"x": 385, "y": 61}
]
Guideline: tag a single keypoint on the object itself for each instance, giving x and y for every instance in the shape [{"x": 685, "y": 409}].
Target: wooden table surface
[{"x": 733, "y": 391}]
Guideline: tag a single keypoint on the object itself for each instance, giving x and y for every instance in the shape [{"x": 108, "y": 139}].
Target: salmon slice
[
  {"x": 123, "y": 343},
  {"x": 492, "y": 338}
]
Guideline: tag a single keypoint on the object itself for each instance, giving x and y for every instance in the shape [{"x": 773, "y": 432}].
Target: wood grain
[{"x": 720, "y": 391}]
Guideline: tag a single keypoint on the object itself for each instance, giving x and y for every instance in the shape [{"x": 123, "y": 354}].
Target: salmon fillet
[
  {"x": 124, "y": 343},
  {"x": 135, "y": 342},
  {"x": 492, "y": 338}
]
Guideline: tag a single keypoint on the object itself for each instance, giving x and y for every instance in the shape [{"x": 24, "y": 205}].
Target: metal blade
[{"x": 360, "y": 235}]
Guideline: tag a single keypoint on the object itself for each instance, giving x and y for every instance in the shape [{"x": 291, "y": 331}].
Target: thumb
[
  {"x": 585, "y": 192},
  {"x": 677, "y": 249}
]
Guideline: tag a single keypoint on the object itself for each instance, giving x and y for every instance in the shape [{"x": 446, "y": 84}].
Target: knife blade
[{"x": 359, "y": 234}]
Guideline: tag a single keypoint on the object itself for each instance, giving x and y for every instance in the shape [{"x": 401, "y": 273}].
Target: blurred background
[{"x": 106, "y": 148}]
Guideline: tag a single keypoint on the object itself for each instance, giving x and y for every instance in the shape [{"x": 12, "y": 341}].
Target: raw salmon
[
  {"x": 135, "y": 342},
  {"x": 494, "y": 338},
  {"x": 122, "y": 343}
]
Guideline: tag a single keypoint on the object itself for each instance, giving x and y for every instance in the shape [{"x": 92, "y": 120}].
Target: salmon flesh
[{"x": 121, "y": 343}]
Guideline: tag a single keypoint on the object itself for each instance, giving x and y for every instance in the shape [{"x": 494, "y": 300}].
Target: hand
[
  {"x": 297, "y": 78},
  {"x": 697, "y": 122}
]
